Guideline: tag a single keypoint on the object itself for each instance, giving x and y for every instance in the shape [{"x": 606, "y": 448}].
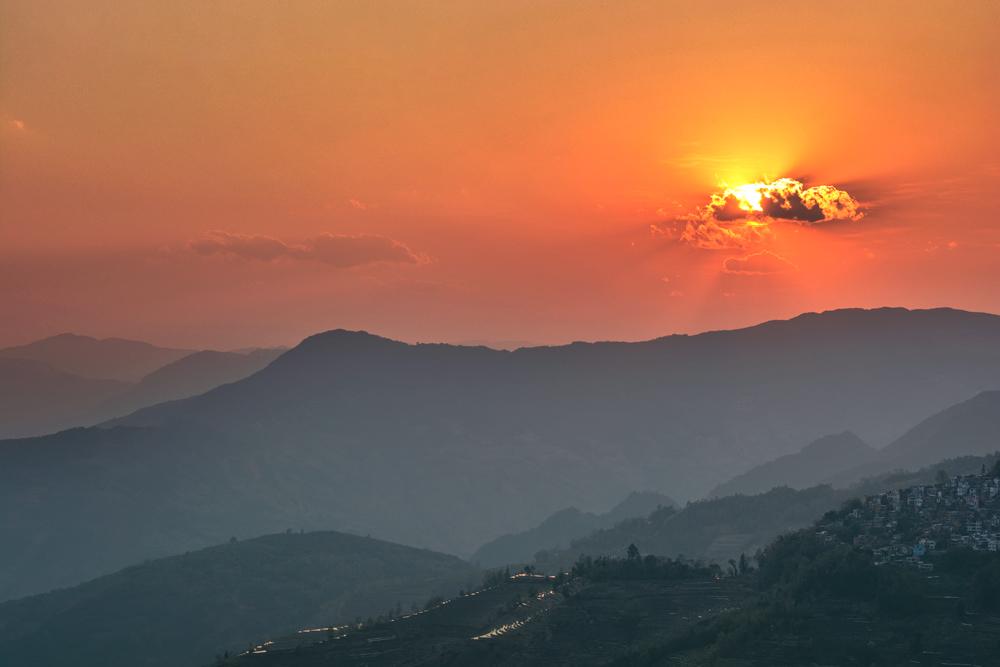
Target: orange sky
[{"x": 238, "y": 173}]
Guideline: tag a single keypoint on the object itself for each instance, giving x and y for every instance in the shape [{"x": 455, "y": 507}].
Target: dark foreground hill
[
  {"x": 447, "y": 447},
  {"x": 812, "y": 602},
  {"x": 845, "y": 591},
  {"x": 183, "y": 610},
  {"x": 590, "y": 617}
]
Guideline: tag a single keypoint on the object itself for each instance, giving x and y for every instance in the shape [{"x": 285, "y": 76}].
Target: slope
[
  {"x": 185, "y": 609},
  {"x": 817, "y": 462},
  {"x": 107, "y": 358},
  {"x": 447, "y": 447}
]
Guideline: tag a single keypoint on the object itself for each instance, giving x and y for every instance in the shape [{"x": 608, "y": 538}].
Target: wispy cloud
[
  {"x": 757, "y": 264},
  {"x": 339, "y": 250}
]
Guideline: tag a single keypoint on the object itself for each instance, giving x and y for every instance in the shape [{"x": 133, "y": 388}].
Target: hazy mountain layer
[
  {"x": 448, "y": 447},
  {"x": 36, "y": 398},
  {"x": 722, "y": 528},
  {"x": 188, "y": 376},
  {"x": 816, "y": 463},
  {"x": 558, "y": 530},
  {"x": 108, "y": 358},
  {"x": 971, "y": 427}
]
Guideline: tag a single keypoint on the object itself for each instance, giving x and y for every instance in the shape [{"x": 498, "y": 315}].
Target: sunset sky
[{"x": 228, "y": 174}]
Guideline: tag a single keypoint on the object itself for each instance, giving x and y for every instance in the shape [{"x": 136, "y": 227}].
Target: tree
[
  {"x": 941, "y": 476},
  {"x": 633, "y": 552},
  {"x": 744, "y": 564}
]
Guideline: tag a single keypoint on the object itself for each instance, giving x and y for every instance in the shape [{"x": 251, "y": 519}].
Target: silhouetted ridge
[{"x": 107, "y": 358}]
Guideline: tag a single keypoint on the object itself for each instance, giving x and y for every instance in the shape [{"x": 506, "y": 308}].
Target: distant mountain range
[
  {"x": 69, "y": 380},
  {"x": 191, "y": 375},
  {"x": 815, "y": 464},
  {"x": 714, "y": 530},
  {"x": 447, "y": 447},
  {"x": 36, "y": 398},
  {"x": 184, "y": 610},
  {"x": 108, "y": 358},
  {"x": 558, "y": 530},
  {"x": 724, "y": 527},
  {"x": 971, "y": 427}
]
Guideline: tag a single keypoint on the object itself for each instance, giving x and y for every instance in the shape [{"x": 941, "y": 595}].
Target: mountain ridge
[
  {"x": 364, "y": 434},
  {"x": 815, "y": 463}
]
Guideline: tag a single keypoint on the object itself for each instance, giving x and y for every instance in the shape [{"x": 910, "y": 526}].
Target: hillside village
[{"x": 916, "y": 524}]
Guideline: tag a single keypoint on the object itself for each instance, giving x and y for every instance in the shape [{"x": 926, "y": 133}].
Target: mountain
[
  {"x": 715, "y": 530},
  {"x": 184, "y": 610},
  {"x": 589, "y": 617},
  {"x": 843, "y": 590},
  {"x": 848, "y": 592},
  {"x": 107, "y": 358},
  {"x": 971, "y": 427},
  {"x": 636, "y": 504},
  {"x": 558, "y": 530},
  {"x": 810, "y": 597},
  {"x": 191, "y": 375},
  {"x": 35, "y": 398},
  {"x": 816, "y": 463},
  {"x": 718, "y": 529},
  {"x": 446, "y": 447}
]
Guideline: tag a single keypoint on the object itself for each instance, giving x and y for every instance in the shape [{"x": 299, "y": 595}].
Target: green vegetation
[
  {"x": 857, "y": 588},
  {"x": 635, "y": 566},
  {"x": 827, "y": 595},
  {"x": 559, "y": 530},
  {"x": 184, "y": 610},
  {"x": 600, "y": 610},
  {"x": 717, "y": 529}
]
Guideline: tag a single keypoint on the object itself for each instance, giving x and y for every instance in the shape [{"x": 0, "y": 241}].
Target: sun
[
  {"x": 738, "y": 216},
  {"x": 784, "y": 198}
]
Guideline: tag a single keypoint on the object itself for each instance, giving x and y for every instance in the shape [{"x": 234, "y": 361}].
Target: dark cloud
[
  {"x": 783, "y": 199},
  {"x": 340, "y": 250},
  {"x": 743, "y": 216},
  {"x": 757, "y": 264}
]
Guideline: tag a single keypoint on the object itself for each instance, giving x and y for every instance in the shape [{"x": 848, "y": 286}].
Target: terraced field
[{"x": 525, "y": 620}]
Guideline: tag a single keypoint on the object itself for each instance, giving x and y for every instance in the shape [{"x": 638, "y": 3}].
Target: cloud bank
[{"x": 339, "y": 250}]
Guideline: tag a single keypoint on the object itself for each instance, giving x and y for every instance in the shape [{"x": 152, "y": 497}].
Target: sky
[{"x": 231, "y": 174}]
